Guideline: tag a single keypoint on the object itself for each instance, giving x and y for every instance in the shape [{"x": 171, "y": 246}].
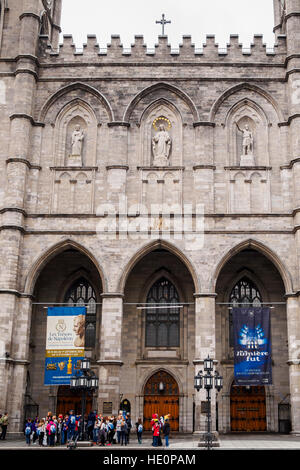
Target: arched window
[
  {"x": 244, "y": 292},
  {"x": 162, "y": 324},
  {"x": 82, "y": 293}
]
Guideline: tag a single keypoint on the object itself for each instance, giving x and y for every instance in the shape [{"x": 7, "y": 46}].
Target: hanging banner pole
[
  {"x": 252, "y": 346},
  {"x": 64, "y": 343}
]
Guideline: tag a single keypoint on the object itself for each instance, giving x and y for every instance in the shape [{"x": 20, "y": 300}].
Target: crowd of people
[{"x": 100, "y": 430}]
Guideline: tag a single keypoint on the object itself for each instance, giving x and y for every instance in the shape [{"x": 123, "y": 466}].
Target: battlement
[{"x": 163, "y": 51}]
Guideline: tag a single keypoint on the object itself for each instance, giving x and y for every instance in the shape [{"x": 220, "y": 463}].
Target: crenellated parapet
[{"x": 163, "y": 51}]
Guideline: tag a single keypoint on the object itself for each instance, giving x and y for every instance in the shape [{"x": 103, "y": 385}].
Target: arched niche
[
  {"x": 161, "y": 112},
  {"x": 246, "y": 117},
  {"x": 76, "y": 115}
]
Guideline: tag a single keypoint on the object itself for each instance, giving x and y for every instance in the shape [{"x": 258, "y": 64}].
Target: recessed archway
[
  {"x": 250, "y": 277},
  {"x": 53, "y": 282}
]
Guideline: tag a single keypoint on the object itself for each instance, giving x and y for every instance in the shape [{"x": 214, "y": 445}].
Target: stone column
[
  {"x": 205, "y": 345},
  {"x": 110, "y": 351},
  {"x": 293, "y": 327}
]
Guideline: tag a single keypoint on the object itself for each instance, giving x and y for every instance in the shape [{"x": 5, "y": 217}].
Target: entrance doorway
[
  {"x": 68, "y": 399},
  {"x": 161, "y": 396},
  {"x": 248, "y": 409}
]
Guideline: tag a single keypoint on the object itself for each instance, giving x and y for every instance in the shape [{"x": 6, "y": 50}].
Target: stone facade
[{"x": 68, "y": 213}]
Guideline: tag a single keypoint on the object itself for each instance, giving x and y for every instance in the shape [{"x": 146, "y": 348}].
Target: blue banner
[
  {"x": 252, "y": 346},
  {"x": 64, "y": 343}
]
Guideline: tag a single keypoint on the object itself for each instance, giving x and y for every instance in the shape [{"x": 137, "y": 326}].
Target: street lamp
[
  {"x": 208, "y": 381},
  {"x": 85, "y": 381}
]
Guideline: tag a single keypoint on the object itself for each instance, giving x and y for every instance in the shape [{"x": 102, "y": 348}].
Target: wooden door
[
  {"x": 161, "y": 402},
  {"x": 248, "y": 409},
  {"x": 68, "y": 399}
]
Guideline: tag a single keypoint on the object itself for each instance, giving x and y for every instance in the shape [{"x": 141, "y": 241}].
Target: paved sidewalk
[{"x": 227, "y": 442}]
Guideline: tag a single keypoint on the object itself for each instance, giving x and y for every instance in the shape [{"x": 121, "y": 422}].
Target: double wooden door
[
  {"x": 68, "y": 399},
  {"x": 248, "y": 409},
  {"x": 161, "y": 396}
]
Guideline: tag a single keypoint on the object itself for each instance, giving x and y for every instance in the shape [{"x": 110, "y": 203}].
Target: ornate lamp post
[
  {"x": 85, "y": 381},
  {"x": 208, "y": 381}
]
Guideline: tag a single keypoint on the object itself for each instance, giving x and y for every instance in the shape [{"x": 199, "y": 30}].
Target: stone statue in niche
[
  {"x": 76, "y": 146},
  {"x": 161, "y": 145},
  {"x": 247, "y": 157}
]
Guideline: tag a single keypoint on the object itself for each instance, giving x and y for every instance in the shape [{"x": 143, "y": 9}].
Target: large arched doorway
[
  {"x": 249, "y": 278},
  {"x": 69, "y": 278},
  {"x": 161, "y": 396},
  {"x": 248, "y": 409}
]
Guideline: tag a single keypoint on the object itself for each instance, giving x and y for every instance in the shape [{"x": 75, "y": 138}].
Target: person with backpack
[
  {"x": 28, "y": 431},
  {"x": 110, "y": 431},
  {"x": 166, "y": 430},
  {"x": 41, "y": 432},
  {"x": 139, "y": 430},
  {"x": 124, "y": 431},
  {"x": 51, "y": 431},
  {"x": 71, "y": 425}
]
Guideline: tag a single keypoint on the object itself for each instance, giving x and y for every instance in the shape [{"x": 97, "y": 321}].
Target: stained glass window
[
  {"x": 162, "y": 324},
  {"x": 82, "y": 293},
  {"x": 244, "y": 292}
]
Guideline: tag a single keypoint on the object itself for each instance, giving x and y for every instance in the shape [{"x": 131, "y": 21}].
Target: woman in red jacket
[{"x": 156, "y": 432}]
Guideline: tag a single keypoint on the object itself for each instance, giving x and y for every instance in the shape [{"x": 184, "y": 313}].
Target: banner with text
[
  {"x": 252, "y": 346},
  {"x": 64, "y": 343}
]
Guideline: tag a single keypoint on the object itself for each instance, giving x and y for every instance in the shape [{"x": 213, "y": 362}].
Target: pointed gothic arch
[
  {"x": 261, "y": 248},
  {"x": 164, "y": 86},
  {"x": 250, "y": 87},
  {"x": 156, "y": 244},
  {"x": 48, "y": 254},
  {"x": 73, "y": 87}
]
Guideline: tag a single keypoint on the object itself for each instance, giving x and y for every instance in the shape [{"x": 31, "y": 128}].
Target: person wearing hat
[{"x": 166, "y": 430}]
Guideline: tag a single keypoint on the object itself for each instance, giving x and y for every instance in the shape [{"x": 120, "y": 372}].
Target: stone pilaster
[
  {"x": 110, "y": 351},
  {"x": 293, "y": 326},
  {"x": 205, "y": 344},
  {"x": 15, "y": 317}
]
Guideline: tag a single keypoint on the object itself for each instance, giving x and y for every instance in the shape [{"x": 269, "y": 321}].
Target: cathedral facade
[{"x": 138, "y": 177}]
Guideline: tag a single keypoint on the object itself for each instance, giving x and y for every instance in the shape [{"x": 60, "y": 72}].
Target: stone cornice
[
  {"x": 290, "y": 165},
  {"x": 290, "y": 119},
  {"x": 24, "y": 161},
  {"x": 118, "y": 124},
  {"x": 239, "y": 167},
  {"x": 164, "y": 168},
  {"x": 13, "y": 227},
  {"x": 13, "y": 209},
  {"x": 67, "y": 168},
  {"x": 198, "y": 295},
  {"x": 204, "y": 167},
  {"x": 29, "y": 14},
  {"x": 109, "y": 362},
  {"x": 10, "y": 360},
  {"x": 117, "y": 167},
  {"x": 26, "y": 116},
  {"x": 204, "y": 124},
  {"x": 16, "y": 293},
  {"x": 107, "y": 295}
]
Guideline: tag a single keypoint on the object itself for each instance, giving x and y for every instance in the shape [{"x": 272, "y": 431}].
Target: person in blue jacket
[
  {"x": 28, "y": 431},
  {"x": 71, "y": 423}
]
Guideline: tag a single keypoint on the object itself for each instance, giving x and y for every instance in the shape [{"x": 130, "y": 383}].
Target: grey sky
[{"x": 194, "y": 17}]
